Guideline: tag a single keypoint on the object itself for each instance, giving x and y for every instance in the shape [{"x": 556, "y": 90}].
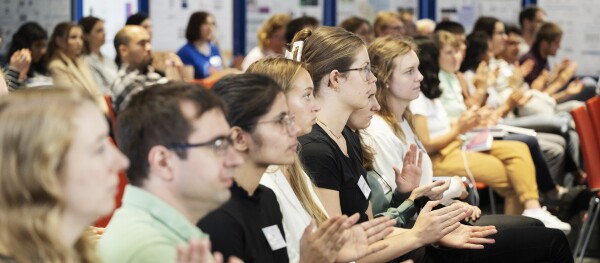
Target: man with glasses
[{"x": 177, "y": 140}]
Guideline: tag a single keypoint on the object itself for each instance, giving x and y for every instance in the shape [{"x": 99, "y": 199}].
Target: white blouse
[{"x": 295, "y": 217}]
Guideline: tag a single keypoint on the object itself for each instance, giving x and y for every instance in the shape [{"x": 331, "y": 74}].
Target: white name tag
[
  {"x": 274, "y": 237},
  {"x": 364, "y": 187}
]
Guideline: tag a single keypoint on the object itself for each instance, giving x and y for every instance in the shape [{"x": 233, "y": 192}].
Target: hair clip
[{"x": 296, "y": 53}]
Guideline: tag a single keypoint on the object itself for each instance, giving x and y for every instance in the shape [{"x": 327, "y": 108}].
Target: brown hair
[
  {"x": 283, "y": 71},
  {"x": 326, "y": 49},
  {"x": 269, "y": 27},
  {"x": 60, "y": 33},
  {"x": 548, "y": 32},
  {"x": 33, "y": 150},
  {"x": 444, "y": 38},
  {"x": 382, "y": 53},
  {"x": 154, "y": 117},
  {"x": 381, "y": 20}
]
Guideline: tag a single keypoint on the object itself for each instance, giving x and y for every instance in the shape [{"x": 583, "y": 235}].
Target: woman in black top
[
  {"x": 249, "y": 225},
  {"x": 340, "y": 68}
]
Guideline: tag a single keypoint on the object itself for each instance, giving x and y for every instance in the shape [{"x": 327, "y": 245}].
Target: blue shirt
[{"x": 202, "y": 63}]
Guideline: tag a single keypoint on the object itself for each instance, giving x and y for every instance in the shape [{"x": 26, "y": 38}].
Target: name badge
[
  {"x": 274, "y": 237},
  {"x": 364, "y": 187}
]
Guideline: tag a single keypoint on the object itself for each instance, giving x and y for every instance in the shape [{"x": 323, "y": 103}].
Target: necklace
[{"x": 330, "y": 131}]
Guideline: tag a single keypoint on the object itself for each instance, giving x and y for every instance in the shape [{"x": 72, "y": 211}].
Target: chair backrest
[
  {"x": 593, "y": 107},
  {"x": 589, "y": 145}
]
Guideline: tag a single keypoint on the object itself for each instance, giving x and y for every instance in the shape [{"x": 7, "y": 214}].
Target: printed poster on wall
[
  {"x": 14, "y": 13},
  {"x": 368, "y": 9}
]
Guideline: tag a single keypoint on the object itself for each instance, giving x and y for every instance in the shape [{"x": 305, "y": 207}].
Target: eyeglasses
[
  {"x": 219, "y": 145},
  {"x": 288, "y": 121},
  {"x": 364, "y": 71}
]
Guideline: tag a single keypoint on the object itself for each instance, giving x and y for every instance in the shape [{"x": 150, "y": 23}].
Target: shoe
[{"x": 548, "y": 219}]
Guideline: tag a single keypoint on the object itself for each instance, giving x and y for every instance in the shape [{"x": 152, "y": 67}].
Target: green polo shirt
[{"x": 145, "y": 229}]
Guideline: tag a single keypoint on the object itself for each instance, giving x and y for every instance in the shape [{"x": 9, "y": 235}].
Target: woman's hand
[{"x": 410, "y": 176}]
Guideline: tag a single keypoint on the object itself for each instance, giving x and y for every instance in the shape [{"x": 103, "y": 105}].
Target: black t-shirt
[
  {"x": 331, "y": 169},
  {"x": 236, "y": 228}
]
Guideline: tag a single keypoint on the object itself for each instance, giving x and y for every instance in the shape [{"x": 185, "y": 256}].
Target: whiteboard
[
  {"x": 170, "y": 18},
  {"x": 580, "y": 32},
  {"x": 114, "y": 13},
  {"x": 48, "y": 13},
  {"x": 368, "y": 9},
  {"x": 258, "y": 11},
  {"x": 466, "y": 12}
]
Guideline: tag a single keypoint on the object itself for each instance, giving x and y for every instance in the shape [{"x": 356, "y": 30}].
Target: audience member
[
  {"x": 425, "y": 27},
  {"x": 59, "y": 175},
  {"x": 27, "y": 61},
  {"x": 531, "y": 19},
  {"x": 177, "y": 139},
  {"x": 359, "y": 26},
  {"x": 271, "y": 39},
  {"x": 134, "y": 56},
  {"x": 103, "y": 69},
  {"x": 297, "y": 24},
  {"x": 66, "y": 64},
  {"x": 388, "y": 23}
]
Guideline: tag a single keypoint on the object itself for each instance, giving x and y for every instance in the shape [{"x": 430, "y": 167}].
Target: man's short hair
[
  {"x": 450, "y": 26},
  {"x": 153, "y": 117},
  {"x": 296, "y": 25},
  {"x": 513, "y": 29},
  {"x": 528, "y": 13}
]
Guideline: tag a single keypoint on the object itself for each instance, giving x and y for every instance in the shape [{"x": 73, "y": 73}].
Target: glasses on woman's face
[
  {"x": 287, "y": 121},
  {"x": 365, "y": 72},
  {"x": 219, "y": 145}
]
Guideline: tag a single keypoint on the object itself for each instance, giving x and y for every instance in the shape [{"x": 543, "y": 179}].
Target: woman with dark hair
[
  {"x": 27, "y": 60},
  {"x": 140, "y": 19},
  {"x": 200, "y": 51},
  {"x": 66, "y": 65},
  {"x": 104, "y": 70},
  {"x": 250, "y": 224},
  {"x": 359, "y": 26}
]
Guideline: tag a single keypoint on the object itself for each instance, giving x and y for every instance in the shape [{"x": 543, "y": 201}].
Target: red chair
[
  {"x": 590, "y": 147},
  {"x": 593, "y": 106},
  {"x": 111, "y": 112},
  {"x": 122, "y": 178}
]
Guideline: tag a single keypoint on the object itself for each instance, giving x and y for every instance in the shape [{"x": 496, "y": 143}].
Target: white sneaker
[{"x": 548, "y": 219}]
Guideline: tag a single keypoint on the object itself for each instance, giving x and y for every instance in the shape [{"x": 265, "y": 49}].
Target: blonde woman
[
  {"x": 398, "y": 71},
  {"x": 59, "y": 175},
  {"x": 271, "y": 39}
]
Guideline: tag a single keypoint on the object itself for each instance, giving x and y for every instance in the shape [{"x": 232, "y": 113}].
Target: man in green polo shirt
[{"x": 177, "y": 140}]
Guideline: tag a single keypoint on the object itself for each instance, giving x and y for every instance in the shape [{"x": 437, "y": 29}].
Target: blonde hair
[
  {"x": 381, "y": 21},
  {"x": 382, "y": 53},
  {"x": 269, "y": 27},
  {"x": 38, "y": 133},
  {"x": 444, "y": 38},
  {"x": 283, "y": 71}
]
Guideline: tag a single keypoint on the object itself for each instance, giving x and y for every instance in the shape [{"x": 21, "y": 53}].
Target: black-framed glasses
[
  {"x": 219, "y": 145},
  {"x": 288, "y": 121},
  {"x": 365, "y": 71}
]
